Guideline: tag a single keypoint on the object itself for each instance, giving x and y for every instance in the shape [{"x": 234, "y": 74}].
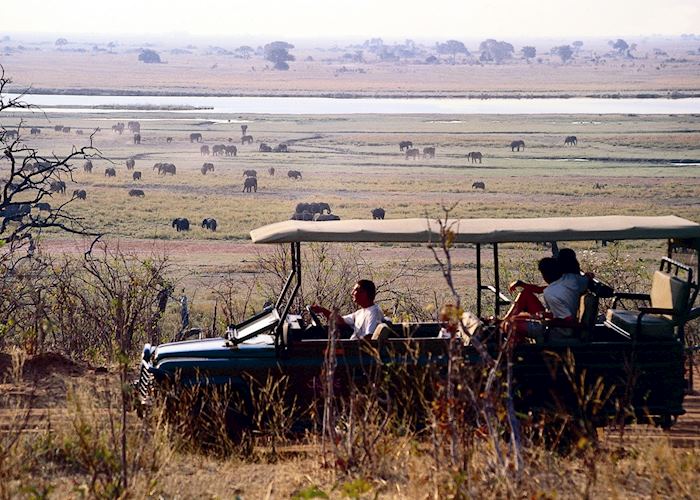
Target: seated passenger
[{"x": 364, "y": 321}]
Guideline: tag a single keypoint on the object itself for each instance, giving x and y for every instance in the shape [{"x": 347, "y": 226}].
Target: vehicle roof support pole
[
  {"x": 497, "y": 284},
  {"x": 478, "y": 279}
]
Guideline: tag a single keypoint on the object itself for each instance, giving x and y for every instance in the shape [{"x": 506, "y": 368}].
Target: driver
[{"x": 363, "y": 321}]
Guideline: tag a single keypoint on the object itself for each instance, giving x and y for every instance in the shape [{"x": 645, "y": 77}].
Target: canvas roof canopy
[{"x": 423, "y": 230}]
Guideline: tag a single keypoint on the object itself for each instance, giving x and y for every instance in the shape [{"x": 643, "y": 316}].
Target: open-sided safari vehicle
[{"x": 639, "y": 354}]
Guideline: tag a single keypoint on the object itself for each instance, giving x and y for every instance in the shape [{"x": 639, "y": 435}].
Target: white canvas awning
[{"x": 612, "y": 227}]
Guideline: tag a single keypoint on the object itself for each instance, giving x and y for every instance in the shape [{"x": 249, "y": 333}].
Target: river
[{"x": 339, "y": 106}]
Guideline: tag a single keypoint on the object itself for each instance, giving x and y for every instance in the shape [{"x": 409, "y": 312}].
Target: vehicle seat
[{"x": 669, "y": 307}]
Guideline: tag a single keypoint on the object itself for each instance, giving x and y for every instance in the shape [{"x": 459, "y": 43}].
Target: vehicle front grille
[{"x": 145, "y": 385}]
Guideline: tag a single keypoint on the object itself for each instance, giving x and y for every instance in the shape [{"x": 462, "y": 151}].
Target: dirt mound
[{"x": 49, "y": 363}]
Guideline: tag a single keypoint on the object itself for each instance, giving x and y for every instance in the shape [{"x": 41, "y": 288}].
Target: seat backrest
[
  {"x": 588, "y": 310},
  {"x": 670, "y": 292}
]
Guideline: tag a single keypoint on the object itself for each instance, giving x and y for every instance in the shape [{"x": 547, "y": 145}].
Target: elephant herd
[
  {"x": 183, "y": 224},
  {"x": 414, "y": 153},
  {"x": 313, "y": 212}
]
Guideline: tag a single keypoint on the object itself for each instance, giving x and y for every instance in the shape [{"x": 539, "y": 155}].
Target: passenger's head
[
  {"x": 363, "y": 293},
  {"x": 449, "y": 317},
  {"x": 549, "y": 267},
  {"x": 568, "y": 262}
]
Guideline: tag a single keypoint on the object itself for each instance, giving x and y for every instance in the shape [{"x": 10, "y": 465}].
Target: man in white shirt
[{"x": 363, "y": 321}]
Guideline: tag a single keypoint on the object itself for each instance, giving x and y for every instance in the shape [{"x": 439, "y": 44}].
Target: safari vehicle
[{"x": 640, "y": 354}]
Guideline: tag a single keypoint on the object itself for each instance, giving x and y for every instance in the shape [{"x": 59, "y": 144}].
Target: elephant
[
  {"x": 58, "y": 187},
  {"x": 597, "y": 185},
  {"x": 405, "y": 145},
  {"x": 250, "y": 173},
  {"x": 302, "y": 207},
  {"x": 79, "y": 132},
  {"x": 378, "y": 213},
  {"x": 168, "y": 140},
  {"x": 204, "y": 150},
  {"x": 137, "y": 138},
  {"x": 136, "y": 176},
  {"x": 35, "y": 131},
  {"x": 302, "y": 216},
  {"x": 209, "y": 224},
  {"x": 207, "y": 167},
  {"x": 325, "y": 217},
  {"x": 119, "y": 128},
  {"x": 66, "y": 130},
  {"x": 80, "y": 194},
  {"x": 181, "y": 224},
  {"x": 281, "y": 148},
  {"x": 412, "y": 153},
  {"x": 571, "y": 141},
  {"x": 294, "y": 174},
  {"x": 271, "y": 171},
  {"x": 244, "y": 129},
  {"x": 516, "y": 145},
  {"x": 110, "y": 172},
  {"x": 59, "y": 128},
  {"x": 250, "y": 183},
  {"x": 218, "y": 149},
  {"x": 230, "y": 150},
  {"x": 87, "y": 166},
  {"x": 11, "y": 134},
  {"x": 247, "y": 139},
  {"x": 43, "y": 206},
  {"x": 478, "y": 185},
  {"x": 15, "y": 211},
  {"x": 322, "y": 207},
  {"x": 134, "y": 126},
  {"x": 130, "y": 164},
  {"x": 264, "y": 148},
  {"x": 136, "y": 193},
  {"x": 195, "y": 137},
  {"x": 167, "y": 168},
  {"x": 429, "y": 152},
  {"x": 475, "y": 155}
]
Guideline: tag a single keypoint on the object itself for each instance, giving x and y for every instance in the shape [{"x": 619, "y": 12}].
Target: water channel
[{"x": 333, "y": 106}]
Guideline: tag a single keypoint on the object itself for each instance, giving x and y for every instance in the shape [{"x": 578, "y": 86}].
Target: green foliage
[
  {"x": 309, "y": 492},
  {"x": 356, "y": 488}
]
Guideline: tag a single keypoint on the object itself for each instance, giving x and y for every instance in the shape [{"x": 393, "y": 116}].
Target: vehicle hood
[{"x": 212, "y": 348}]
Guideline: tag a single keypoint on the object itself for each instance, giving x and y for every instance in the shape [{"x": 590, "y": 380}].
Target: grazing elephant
[
  {"x": 218, "y": 149},
  {"x": 66, "y": 130},
  {"x": 250, "y": 183},
  {"x": 325, "y": 217},
  {"x": 43, "y": 206},
  {"x": 130, "y": 164},
  {"x": 80, "y": 194},
  {"x": 474, "y": 155},
  {"x": 11, "y": 134},
  {"x": 516, "y": 145},
  {"x": 136, "y": 176},
  {"x": 570, "y": 141},
  {"x": 599, "y": 186},
  {"x": 429, "y": 152},
  {"x": 323, "y": 207},
  {"x": 119, "y": 128},
  {"x": 204, "y": 150},
  {"x": 405, "y": 145},
  {"x": 209, "y": 224},
  {"x": 302, "y": 207},
  {"x": 230, "y": 150},
  {"x": 250, "y": 173},
  {"x": 271, "y": 171},
  {"x": 281, "y": 148},
  {"x": 244, "y": 129},
  {"x": 168, "y": 140},
  {"x": 58, "y": 187},
  {"x": 167, "y": 168},
  {"x": 294, "y": 174},
  {"x": 110, "y": 172},
  {"x": 207, "y": 167},
  {"x": 247, "y": 139},
  {"x": 87, "y": 167},
  {"x": 478, "y": 185},
  {"x": 134, "y": 126},
  {"x": 378, "y": 213},
  {"x": 136, "y": 193},
  {"x": 181, "y": 224},
  {"x": 35, "y": 131},
  {"x": 79, "y": 132},
  {"x": 195, "y": 137},
  {"x": 412, "y": 153},
  {"x": 137, "y": 138},
  {"x": 264, "y": 148},
  {"x": 59, "y": 128}
]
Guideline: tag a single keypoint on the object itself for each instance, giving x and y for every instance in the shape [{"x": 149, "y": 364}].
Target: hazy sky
[{"x": 433, "y": 19}]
